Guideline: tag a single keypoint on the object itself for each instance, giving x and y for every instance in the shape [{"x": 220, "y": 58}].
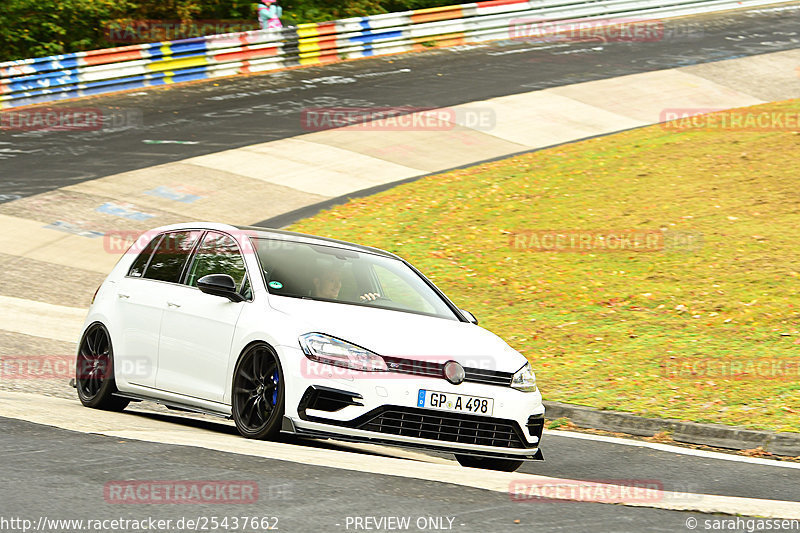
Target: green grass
[{"x": 601, "y": 328}]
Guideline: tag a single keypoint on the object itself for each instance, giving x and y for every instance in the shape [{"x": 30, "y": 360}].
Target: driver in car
[{"x": 328, "y": 282}]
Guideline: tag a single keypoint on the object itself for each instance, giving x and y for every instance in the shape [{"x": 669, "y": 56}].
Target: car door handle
[
  {"x": 119, "y": 294},
  {"x": 173, "y": 304}
]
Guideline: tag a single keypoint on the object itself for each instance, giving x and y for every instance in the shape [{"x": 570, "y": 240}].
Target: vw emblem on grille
[{"x": 454, "y": 372}]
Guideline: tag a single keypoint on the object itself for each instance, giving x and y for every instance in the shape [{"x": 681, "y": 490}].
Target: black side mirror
[
  {"x": 219, "y": 285},
  {"x": 469, "y": 316}
]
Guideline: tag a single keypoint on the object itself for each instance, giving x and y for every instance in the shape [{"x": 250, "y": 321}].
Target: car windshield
[{"x": 333, "y": 274}]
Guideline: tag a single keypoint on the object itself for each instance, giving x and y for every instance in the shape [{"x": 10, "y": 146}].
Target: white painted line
[
  {"x": 150, "y": 141},
  {"x": 580, "y": 50},
  {"x": 41, "y": 319},
  {"x": 674, "y": 449},
  {"x": 70, "y": 415},
  {"x": 529, "y": 49},
  {"x": 772, "y": 9},
  {"x": 381, "y": 73}
]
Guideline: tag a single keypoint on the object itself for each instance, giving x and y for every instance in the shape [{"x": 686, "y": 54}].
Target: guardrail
[{"x": 48, "y": 79}]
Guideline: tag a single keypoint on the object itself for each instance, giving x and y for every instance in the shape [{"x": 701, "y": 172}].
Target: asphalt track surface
[
  {"x": 303, "y": 498},
  {"x": 60, "y": 474},
  {"x": 236, "y": 112}
]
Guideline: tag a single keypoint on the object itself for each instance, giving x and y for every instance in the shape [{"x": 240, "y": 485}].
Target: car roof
[
  {"x": 268, "y": 233},
  {"x": 271, "y": 233}
]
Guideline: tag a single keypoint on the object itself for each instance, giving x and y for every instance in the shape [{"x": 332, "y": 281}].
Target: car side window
[
  {"x": 140, "y": 263},
  {"x": 218, "y": 254},
  {"x": 171, "y": 256},
  {"x": 247, "y": 290}
]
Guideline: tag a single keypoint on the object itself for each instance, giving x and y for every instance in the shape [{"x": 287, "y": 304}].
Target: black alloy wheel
[
  {"x": 94, "y": 371},
  {"x": 258, "y": 393}
]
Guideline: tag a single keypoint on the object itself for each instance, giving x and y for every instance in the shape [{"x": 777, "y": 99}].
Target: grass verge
[{"x": 707, "y": 333}]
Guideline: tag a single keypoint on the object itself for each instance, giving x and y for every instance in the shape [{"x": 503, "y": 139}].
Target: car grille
[
  {"x": 488, "y": 377},
  {"x": 435, "y": 369},
  {"x": 450, "y": 427}
]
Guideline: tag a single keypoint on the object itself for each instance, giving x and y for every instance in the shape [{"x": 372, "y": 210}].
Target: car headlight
[
  {"x": 332, "y": 351},
  {"x": 524, "y": 379}
]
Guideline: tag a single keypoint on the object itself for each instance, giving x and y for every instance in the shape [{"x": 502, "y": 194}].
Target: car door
[
  {"x": 197, "y": 328},
  {"x": 140, "y": 304},
  {"x": 139, "y": 310}
]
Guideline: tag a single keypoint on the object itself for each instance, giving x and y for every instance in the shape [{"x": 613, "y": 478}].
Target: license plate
[{"x": 460, "y": 403}]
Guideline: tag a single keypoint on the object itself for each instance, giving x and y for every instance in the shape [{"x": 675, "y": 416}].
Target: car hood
[{"x": 400, "y": 334}]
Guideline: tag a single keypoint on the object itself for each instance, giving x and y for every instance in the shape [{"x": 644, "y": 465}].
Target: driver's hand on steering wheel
[{"x": 370, "y": 296}]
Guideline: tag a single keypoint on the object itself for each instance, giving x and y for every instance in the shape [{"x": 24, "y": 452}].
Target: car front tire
[{"x": 258, "y": 393}]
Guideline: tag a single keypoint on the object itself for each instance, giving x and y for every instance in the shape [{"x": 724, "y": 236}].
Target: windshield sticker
[{"x": 275, "y": 285}]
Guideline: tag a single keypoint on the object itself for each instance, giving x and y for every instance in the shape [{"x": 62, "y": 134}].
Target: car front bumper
[{"x": 381, "y": 407}]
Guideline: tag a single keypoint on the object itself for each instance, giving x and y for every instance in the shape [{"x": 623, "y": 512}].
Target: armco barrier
[{"x": 48, "y": 79}]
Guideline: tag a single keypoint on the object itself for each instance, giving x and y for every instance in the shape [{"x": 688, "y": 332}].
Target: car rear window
[
  {"x": 171, "y": 256},
  {"x": 140, "y": 264}
]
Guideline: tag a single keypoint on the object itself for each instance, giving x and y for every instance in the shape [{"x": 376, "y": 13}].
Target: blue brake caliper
[{"x": 275, "y": 389}]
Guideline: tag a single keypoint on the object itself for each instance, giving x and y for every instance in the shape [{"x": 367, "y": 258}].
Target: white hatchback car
[{"x": 289, "y": 332}]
